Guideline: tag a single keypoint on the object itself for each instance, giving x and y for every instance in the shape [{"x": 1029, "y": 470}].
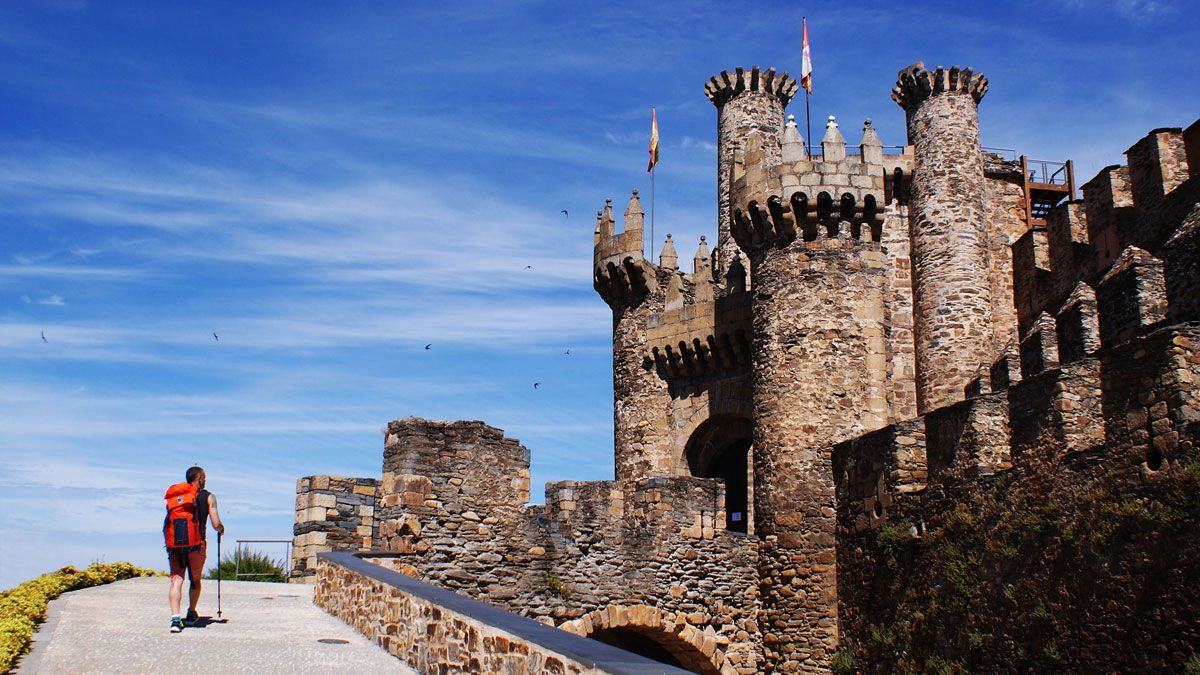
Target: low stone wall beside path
[{"x": 438, "y": 631}]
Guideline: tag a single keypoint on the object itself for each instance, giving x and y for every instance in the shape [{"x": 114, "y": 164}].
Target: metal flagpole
[
  {"x": 807, "y": 124},
  {"x": 652, "y": 214}
]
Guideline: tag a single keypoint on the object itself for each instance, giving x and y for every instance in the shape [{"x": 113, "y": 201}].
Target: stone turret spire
[
  {"x": 702, "y": 259},
  {"x": 833, "y": 146},
  {"x": 668, "y": 259},
  {"x": 635, "y": 217},
  {"x": 793, "y": 143},
  {"x": 870, "y": 145}
]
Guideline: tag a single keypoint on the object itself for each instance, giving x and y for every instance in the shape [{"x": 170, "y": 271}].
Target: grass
[
  {"x": 24, "y": 607},
  {"x": 252, "y": 565}
]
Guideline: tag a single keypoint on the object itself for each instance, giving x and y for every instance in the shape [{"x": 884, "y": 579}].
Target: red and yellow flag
[
  {"x": 653, "y": 140},
  {"x": 806, "y": 63}
]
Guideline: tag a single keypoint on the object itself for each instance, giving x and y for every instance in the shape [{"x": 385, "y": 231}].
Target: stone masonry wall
[
  {"x": 1004, "y": 200},
  {"x": 1077, "y": 559},
  {"x": 436, "y": 634},
  {"x": 452, "y": 513},
  {"x": 332, "y": 514},
  {"x": 813, "y": 349}
]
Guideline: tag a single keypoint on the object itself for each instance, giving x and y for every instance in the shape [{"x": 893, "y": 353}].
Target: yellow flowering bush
[{"x": 24, "y": 607}]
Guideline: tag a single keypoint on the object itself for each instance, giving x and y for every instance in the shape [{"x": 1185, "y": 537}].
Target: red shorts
[{"x": 191, "y": 560}]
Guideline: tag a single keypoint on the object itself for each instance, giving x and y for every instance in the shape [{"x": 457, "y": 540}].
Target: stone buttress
[{"x": 951, "y": 288}]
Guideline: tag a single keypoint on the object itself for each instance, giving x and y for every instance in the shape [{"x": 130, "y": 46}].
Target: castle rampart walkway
[{"x": 267, "y": 628}]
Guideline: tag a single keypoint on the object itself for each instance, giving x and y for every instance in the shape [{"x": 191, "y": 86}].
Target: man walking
[{"x": 189, "y": 507}]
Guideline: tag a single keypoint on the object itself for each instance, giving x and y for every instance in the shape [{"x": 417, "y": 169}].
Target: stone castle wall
[
  {"x": 332, "y": 514},
  {"x": 1075, "y": 559},
  {"x": 1038, "y": 514},
  {"x": 452, "y": 511}
]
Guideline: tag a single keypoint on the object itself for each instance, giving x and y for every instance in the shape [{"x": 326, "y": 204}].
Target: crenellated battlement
[
  {"x": 720, "y": 88},
  {"x": 915, "y": 84},
  {"x": 1119, "y": 399},
  {"x": 835, "y": 197},
  {"x": 770, "y": 221},
  {"x": 1121, "y": 241}
]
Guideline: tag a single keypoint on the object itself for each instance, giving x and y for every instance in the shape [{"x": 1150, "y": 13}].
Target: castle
[{"x": 919, "y": 410}]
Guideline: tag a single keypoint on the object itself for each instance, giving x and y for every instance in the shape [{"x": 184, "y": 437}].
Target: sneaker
[
  {"x": 176, "y": 625},
  {"x": 191, "y": 618}
]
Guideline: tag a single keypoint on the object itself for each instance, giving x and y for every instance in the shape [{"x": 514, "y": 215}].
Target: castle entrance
[{"x": 720, "y": 448}]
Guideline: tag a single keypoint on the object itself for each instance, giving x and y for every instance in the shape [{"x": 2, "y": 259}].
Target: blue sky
[{"x": 330, "y": 186}]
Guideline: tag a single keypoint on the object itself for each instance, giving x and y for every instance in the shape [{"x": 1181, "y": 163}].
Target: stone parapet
[
  {"x": 437, "y": 631},
  {"x": 333, "y": 513},
  {"x": 915, "y": 84},
  {"x": 721, "y": 88},
  {"x": 1131, "y": 297},
  {"x": 1182, "y": 269}
]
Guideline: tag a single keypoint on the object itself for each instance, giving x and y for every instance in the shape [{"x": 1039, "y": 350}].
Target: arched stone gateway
[
  {"x": 720, "y": 448},
  {"x": 654, "y": 633}
]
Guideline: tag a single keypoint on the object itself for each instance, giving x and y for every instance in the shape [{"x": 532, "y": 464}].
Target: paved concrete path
[{"x": 265, "y": 628}]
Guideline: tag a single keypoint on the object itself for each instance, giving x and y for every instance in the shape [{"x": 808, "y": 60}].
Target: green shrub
[
  {"x": 842, "y": 663},
  {"x": 559, "y": 587},
  {"x": 1192, "y": 667},
  {"x": 24, "y": 607},
  {"x": 251, "y": 565}
]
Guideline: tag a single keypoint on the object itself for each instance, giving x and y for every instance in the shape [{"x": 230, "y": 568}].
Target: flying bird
[
  {"x": 568, "y": 352},
  {"x": 216, "y": 338},
  {"x": 44, "y": 337},
  {"x": 529, "y": 267},
  {"x": 564, "y": 212},
  {"x": 535, "y": 384},
  {"x": 428, "y": 346}
]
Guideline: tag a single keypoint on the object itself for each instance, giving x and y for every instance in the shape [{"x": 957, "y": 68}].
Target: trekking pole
[{"x": 218, "y": 575}]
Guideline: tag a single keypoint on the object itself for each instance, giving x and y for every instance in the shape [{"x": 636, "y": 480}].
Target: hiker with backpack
[{"x": 189, "y": 506}]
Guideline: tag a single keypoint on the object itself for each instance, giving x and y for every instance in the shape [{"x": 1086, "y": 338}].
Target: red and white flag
[
  {"x": 806, "y": 63},
  {"x": 653, "y": 140}
]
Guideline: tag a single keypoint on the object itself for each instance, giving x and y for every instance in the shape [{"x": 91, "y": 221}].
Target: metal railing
[
  {"x": 816, "y": 152},
  {"x": 1007, "y": 153},
  {"x": 1046, "y": 172},
  {"x": 237, "y": 556}
]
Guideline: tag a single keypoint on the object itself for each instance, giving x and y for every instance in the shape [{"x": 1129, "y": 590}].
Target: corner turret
[{"x": 620, "y": 272}]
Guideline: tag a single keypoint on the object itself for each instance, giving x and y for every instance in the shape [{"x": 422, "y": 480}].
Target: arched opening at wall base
[
  {"x": 633, "y": 641},
  {"x": 720, "y": 448},
  {"x": 653, "y": 633}
]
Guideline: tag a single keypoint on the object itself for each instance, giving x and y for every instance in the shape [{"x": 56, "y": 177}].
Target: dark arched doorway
[
  {"x": 632, "y": 641},
  {"x": 720, "y": 448}
]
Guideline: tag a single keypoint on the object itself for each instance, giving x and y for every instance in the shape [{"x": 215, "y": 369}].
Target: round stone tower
[
  {"x": 631, "y": 287},
  {"x": 951, "y": 288},
  {"x": 746, "y": 102},
  {"x": 818, "y": 344}
]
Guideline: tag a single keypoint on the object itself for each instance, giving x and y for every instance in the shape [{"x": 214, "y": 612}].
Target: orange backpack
[{"x": 182, "y": 527}]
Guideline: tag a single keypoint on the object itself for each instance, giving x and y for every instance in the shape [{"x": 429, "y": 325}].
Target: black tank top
[{"x": 202, "y": 513}]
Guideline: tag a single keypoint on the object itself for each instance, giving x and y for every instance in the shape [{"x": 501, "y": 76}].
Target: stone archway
[
  {"x": 719, "y": 447},
  {"x": 658, "y": 633}
]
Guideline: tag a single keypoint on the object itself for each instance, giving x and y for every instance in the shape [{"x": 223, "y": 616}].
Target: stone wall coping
[{"x": 585, "y": 651}]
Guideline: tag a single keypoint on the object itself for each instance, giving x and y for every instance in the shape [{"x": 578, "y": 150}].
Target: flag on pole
[
  {"x": 653, "y": 140},
  {"x": 806, "y": 63}
]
